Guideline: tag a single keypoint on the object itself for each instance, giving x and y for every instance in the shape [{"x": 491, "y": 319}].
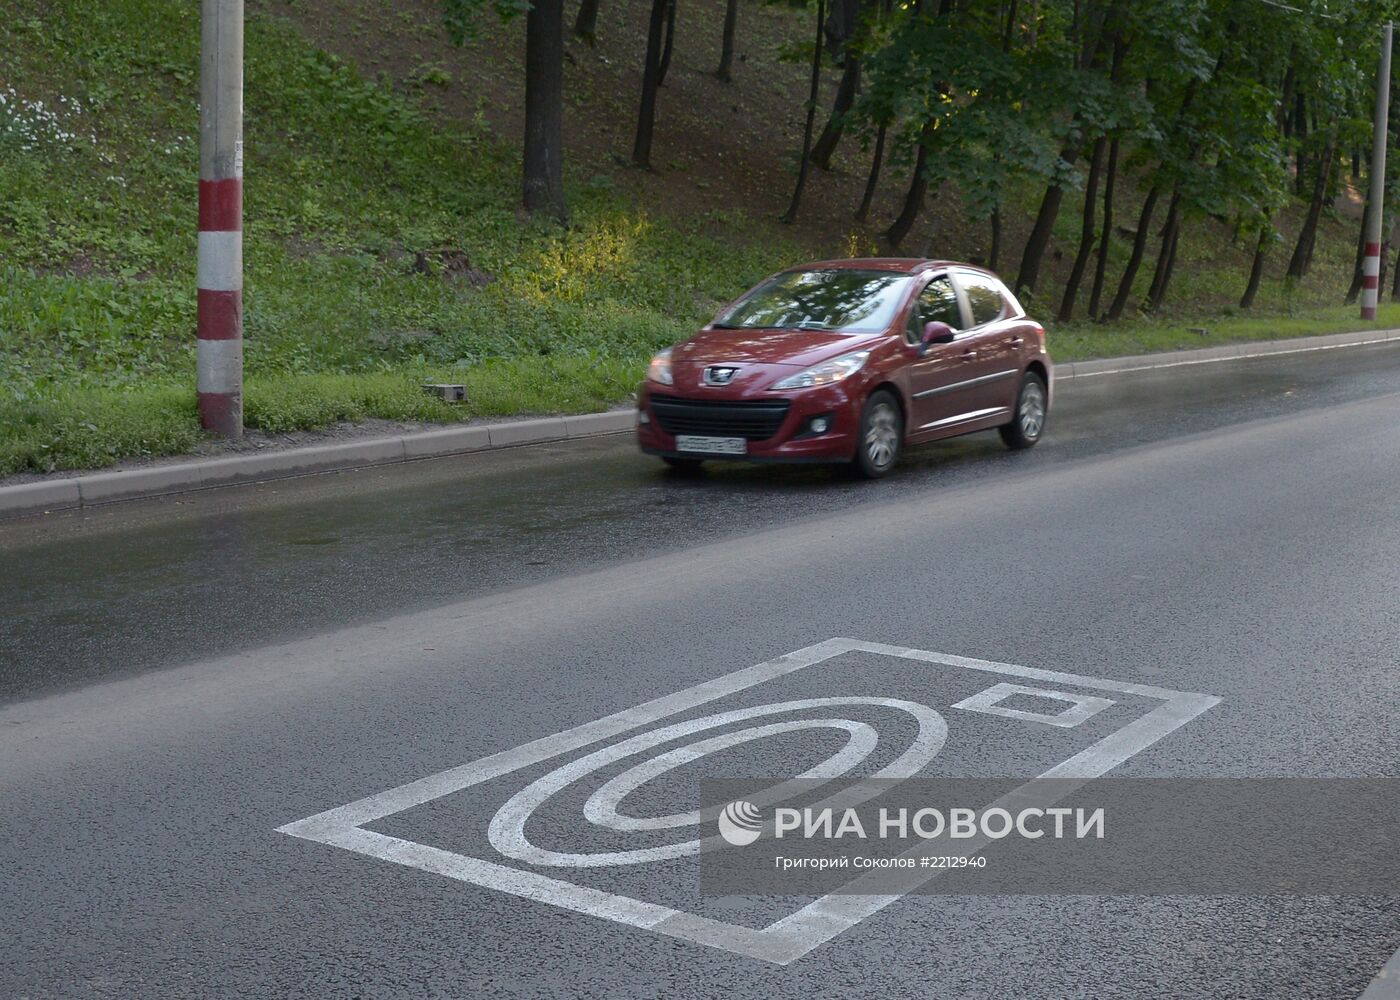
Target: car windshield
[{"x": 842, "y": 300}]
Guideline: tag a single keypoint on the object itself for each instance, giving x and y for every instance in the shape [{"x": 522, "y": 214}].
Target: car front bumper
[{"x": 721, "y": 415}]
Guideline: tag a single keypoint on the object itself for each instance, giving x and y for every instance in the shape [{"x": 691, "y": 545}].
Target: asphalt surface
[{"x": 184, "y": 677}]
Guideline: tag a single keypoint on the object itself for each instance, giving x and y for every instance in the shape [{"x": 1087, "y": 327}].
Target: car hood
[{"x": 799, "y": 348}]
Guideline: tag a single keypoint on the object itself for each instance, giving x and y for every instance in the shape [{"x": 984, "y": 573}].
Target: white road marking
[
  {"x": 507, "y": 828},
  {"x": 1082, "y": 707},
  {"x": 601, "y": 807},
  {"x": 791, "y": 937},
  {"x": 1386, "y": 985}
]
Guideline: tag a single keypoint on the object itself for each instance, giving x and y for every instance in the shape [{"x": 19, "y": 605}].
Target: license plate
[{"x": 711, "y": 445}]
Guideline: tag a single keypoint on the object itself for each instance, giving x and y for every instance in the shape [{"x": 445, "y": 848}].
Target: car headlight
[
  {"x": 660, "y": 368},
  {"x": 825, "y": 373}
]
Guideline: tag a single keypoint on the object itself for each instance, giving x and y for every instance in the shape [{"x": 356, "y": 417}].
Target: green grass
[
  {"x": 85, "y": 428},
  {"x": 1080, "y": 341},
  {"x": 81, "y": 430},
  {"x": 353, "y": 192}
]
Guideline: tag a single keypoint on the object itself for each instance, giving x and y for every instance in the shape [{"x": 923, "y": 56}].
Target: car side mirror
[{"x": 938, "y": 332}]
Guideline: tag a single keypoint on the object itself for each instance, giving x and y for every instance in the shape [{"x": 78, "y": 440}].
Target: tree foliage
[{"x": 1212, "y": 109}]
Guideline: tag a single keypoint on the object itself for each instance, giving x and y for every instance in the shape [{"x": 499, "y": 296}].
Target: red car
[{"x": 847, "y": 361}]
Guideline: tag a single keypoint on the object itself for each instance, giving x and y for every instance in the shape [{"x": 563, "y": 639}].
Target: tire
[
  {"x": 1032, "y": 408},
  {"x": 881, "y": 434},
  {"x": 683, "y": 466}
]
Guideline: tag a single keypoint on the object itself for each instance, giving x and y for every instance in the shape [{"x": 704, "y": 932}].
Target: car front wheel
[
  {"x": 881, "y": 434},
  {"x": 1028, "y": 422}
]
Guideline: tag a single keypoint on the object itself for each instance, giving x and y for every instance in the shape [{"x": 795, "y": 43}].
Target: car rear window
[
  {"x": 984, "y": 297},
  {"x": 844, "y": 300}
]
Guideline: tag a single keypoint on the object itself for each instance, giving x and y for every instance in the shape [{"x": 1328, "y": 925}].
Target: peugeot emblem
[{"x": 719, "y": 374}]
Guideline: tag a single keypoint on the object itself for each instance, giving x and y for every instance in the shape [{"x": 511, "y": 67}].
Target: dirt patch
[{"x": 453, "y": 264}]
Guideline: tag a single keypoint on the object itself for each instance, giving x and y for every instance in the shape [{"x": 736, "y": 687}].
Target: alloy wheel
[
  {"x": 1032, "y": 415},
  {"x": 882, "y": 435}
]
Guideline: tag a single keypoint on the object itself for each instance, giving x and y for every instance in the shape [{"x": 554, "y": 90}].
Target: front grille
[{"x": 712, "y": 418}]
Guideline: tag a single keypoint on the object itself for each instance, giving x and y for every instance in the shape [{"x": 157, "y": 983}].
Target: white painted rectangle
[{"x": 793, "y": 936}]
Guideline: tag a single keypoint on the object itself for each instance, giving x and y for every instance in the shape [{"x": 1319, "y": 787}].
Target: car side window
[
  {"x": 984, "y": 297},
  {"x": 937, "y": 302}
]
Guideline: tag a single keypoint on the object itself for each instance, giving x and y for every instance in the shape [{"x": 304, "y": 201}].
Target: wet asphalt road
[{"x": 1225, "y": 530}]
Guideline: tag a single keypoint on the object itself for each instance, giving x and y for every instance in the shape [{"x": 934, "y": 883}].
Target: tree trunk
[
  {"x": 726, "y": 52},
  {"x": 1044, "y": 227},
  {"x": 586, "y": 24},
  {"x": 1324, "y": 181},
  {"x": 1101, "y": 266},
  {"x": 791, "y": 214},
  {"x": 1086, "y": 232},
  {"x": 1171, "y": 267},
  {"x": 1091, "y": 55},
  {"x": 1395, "y": 285},
  {"x": 1149, "y": 206},
  {"x": 914, "y": 198},
  {"x": 873, "y": 180},
  {"x": 1256, "y": 270},
  {"x": 1125, "y": 284},
  {"x": 1380, "y": 278},
  {"x": 544, "y": 109},
  {"x": 845, "y": 97},
  {"x": 1356, "y": 269},
  {"x": 670, "y": 42},
  {"x": 1302, "y": 251},
  {"x": 1159, "y": 274},
  {"x": 995, "y": 251},
  {"x": 1165, "y": 266},
  {"x": 646, "y": 114},
  {"x": 1008, "y": 33},
  {"x": 1300, "y": 131}
]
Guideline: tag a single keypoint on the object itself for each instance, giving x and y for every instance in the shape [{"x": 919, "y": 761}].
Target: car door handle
[
  {"x": 1016, "y": 341},
  {"x": 969, "y": 355}
]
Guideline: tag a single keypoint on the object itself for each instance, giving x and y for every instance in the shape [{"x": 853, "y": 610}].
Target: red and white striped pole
[
  {"x": 1371, "y": 267},
  {"x": 220, "y": 311}
]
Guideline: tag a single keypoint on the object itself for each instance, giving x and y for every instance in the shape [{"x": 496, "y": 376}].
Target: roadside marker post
[
  {"x": 219, "y": 323},
  {"x": 1371, "y": 269}
]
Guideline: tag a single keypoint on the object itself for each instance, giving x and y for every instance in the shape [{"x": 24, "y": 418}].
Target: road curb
[
  {"x": 35, "y": 498},
  {"x": 96, "y": 488},
  {"x": 1226, "y": 352}
]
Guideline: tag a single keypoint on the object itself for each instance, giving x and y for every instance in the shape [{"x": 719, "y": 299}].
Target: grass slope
[
  {"x": 348, "y": 184},
  {"x": 382, "y": 249}
]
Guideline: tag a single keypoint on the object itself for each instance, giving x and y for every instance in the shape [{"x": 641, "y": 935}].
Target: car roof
[{"x": 906, "y": 265}]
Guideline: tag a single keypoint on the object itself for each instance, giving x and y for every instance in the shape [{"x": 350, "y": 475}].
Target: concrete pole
[
  {"x": 220, "y": 275},
  {"x": 1371, "y": 269}
]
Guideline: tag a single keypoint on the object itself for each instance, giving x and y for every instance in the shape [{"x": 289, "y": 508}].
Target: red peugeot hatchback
[{"x": 847, "y": 361}]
